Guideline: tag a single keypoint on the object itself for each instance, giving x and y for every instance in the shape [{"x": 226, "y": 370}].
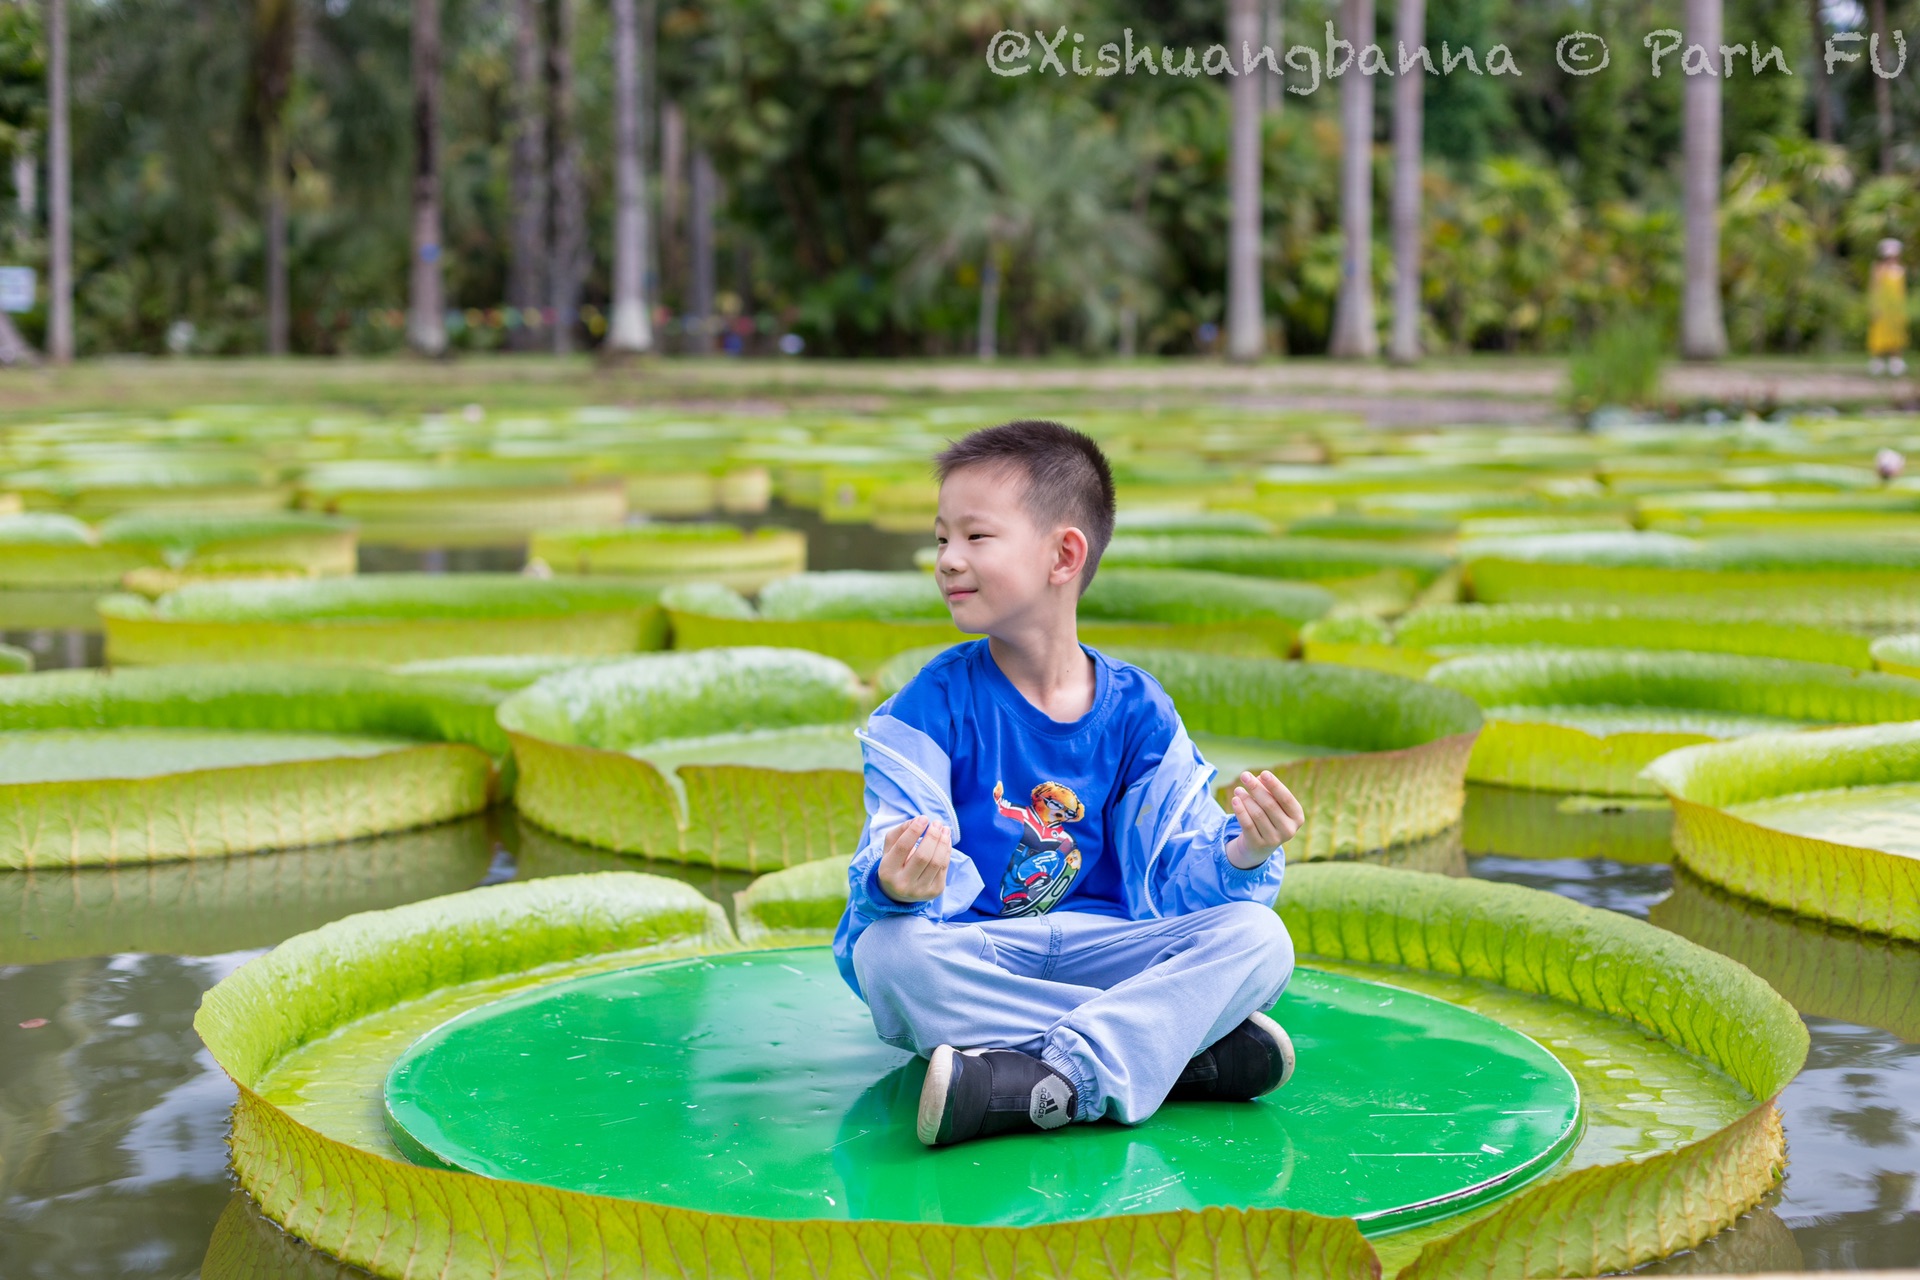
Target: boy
[{"x": 1107, "y": 939}]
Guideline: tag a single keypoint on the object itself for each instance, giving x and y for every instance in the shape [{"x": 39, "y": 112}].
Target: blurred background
[{"x": 851, "y": 179}]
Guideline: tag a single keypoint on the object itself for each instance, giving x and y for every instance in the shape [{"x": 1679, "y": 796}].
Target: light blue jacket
[{"x": 1171, "y": 837}]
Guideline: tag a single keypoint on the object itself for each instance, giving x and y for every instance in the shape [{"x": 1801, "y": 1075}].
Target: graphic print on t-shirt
[{"x": 1046, "y": 860}]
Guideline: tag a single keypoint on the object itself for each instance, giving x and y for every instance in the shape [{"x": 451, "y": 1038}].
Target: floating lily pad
[
  {"x": 742, "y": 793},
  {"x": 1671, "y": 1046},
  {"x": 196, "y": 762},
  {"x": 1452, "y": 630},
  {"x": 1831, "y": 582},
  {"x": 662, "y": 554},
  {"x": 1409, "y": 1110},
  {"x": 1817, "y": 823},
  {"x": 383, "y": 619},
  {"x": 1588, "y": 720},
  {"x": 1898, "y": 655},
  {"x": 412, "y": 504},
  {"x": 1375, "y": 575}
]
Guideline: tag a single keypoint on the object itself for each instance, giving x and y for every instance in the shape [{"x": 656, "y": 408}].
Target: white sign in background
[{"x": 16, "y": 288}]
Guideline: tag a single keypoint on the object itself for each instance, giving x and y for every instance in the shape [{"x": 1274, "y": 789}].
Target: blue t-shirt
[{"x": 1045, "y": 841}]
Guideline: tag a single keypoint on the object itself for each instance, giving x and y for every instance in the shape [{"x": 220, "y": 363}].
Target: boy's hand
[
  {"x": 913, "y": 868},
  {"x": 1269, "y": 815}
]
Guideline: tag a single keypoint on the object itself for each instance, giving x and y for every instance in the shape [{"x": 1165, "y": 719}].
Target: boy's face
[{"x": 997, "y": 566}]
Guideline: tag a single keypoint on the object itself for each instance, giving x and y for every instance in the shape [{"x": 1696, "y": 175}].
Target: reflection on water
[
  {"x": 209, "y": 906},
  {"x": 112, "y": 1117}
]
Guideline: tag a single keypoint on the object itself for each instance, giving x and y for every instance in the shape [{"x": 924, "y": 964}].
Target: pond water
[{"x": 113, "y": 1117}]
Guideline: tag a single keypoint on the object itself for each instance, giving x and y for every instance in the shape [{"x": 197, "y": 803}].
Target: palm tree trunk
[
  {"x": 1274, "y": 92},
  {"x": 276, "y": 230},
  {"x": 652, "y": 281},
  {"x": 526, "y": 176},
  {"x": 1822, "y": 99},
  {"x": 1353, "y": 328},
  {"x": 1703, "y": 332},
  {"x": 986, "y": 339},
  {"x": 569, "y": 211},
  {"x": 1408, "y": 141},
  {"x": 1246, "y": 326},
  {"x": 272, "y": 82},
  {"x": 673, "y": 189},
  {"x": 59, "y": 191},
  {"x": 1883, "y": 90},
  {"x": 632, "y": 329},
  {"x": 705, "y": 195},
  {"x": 426, "y": 319}
]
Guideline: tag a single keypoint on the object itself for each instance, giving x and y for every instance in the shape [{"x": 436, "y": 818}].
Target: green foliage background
[{"x": 871, "y": 162}]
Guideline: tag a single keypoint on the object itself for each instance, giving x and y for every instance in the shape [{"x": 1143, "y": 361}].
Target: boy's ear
[{"x": 1069, "y": 557}]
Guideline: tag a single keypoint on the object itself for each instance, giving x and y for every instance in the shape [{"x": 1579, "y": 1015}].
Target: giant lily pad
[
  {"x": 152, "y": 479},
  {"x": 662, "y": 554},
  {"x": 733, "y": 757},
  {"x": 382, "y": 619},
  {"x": 197, "y": 762},
  {"x": 1671, "y": 1046},
  {"x": 1898, "y": 655},
  {"x": 1787, "y": 579},
  {"x": 53, "y": 567},
  {"x": 500, "y": 1091},
  {"x": 410, "y": 504},
  {"x": 1451, "y": 630},
  {"x": 1378, "y": 576},
  {"x": 866, "y": 618},
  {"x": 1468, "y": 941},
  {"x": 1822, "y": 824},
  {"x": 1588, "y": 720}
]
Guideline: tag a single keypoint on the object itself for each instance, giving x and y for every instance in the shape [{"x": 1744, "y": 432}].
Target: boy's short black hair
[{"x": 1068, "y": 479}]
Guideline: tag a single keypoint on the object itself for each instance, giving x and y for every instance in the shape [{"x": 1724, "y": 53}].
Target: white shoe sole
[
  {"x": 1273, "y": 1029},
  {"x": 933, "y": 1095}
]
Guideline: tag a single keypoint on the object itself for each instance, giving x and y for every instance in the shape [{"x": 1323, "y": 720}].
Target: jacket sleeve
[
  {"x": 907, "y": 777},
  {"x": 1176, "y": 841}
]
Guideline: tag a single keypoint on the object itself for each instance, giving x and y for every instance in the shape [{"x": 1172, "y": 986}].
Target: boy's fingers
[
  {"x": 1288, "y": 803},
  {"x": 1252, "y": 822}
]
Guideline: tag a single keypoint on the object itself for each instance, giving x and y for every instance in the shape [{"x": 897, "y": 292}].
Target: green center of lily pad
[
  {"x": 753, "y": 1084},
  {"x": 796, "y": 747},
  {"x": 1603, "y": 722},
  {"x": 76, "y": 755},
  {"x": 1885, "y": 817}
]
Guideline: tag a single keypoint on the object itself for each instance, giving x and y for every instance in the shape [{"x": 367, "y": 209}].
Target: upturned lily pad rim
[
  {"x": 365, "y": 599},
  {"x": 1850, "y": 884},
  {"x": 331, "y": 1193}
]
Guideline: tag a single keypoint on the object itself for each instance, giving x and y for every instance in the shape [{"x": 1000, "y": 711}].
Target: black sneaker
[
  {"x": 976, "y": 1093},
  {"x": 1254, "y": 1058}
]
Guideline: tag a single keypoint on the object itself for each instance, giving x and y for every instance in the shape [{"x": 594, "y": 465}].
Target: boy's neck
[{"x": 1048, "y": 667}]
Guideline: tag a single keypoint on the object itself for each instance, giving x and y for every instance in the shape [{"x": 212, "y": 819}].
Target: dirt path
[{"x": 1462, "y": 390}]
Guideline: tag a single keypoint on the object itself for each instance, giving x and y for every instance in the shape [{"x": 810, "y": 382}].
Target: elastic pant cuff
[{"x": 1088, "y": 1105}]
